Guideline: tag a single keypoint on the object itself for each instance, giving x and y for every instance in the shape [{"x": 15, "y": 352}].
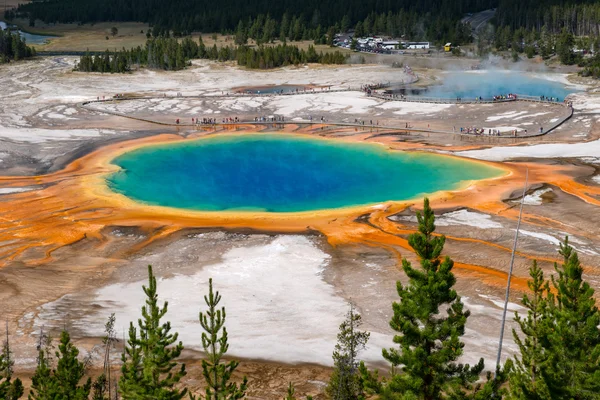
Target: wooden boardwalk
[{"x": 89, "y": 105}]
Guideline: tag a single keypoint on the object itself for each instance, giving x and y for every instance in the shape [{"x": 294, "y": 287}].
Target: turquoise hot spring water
[
  {"x": 284, "y": 173},
  {"x": 486, "y": 84}
]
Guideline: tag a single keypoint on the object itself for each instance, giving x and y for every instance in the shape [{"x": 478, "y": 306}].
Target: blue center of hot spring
[{"x": 282, "y": 173}]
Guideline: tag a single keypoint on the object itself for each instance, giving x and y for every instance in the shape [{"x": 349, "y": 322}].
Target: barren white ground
[{"x": 279, "y": 306}]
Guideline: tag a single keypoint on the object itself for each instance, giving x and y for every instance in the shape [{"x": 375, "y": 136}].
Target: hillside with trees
[
  {"x": 581, "y": 17},
  {"x": 425, "y": 19},
  {"x": 265, "y": 20},
  {"x": 529, "y": 27}
]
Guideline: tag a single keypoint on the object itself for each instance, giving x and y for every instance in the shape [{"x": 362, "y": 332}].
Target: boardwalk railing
[{"x": 441, "y": 100}]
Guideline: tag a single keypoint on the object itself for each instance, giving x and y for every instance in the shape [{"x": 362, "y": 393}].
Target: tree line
[
  {"x": 434, "y": 20},
  {"x": 404, "y": 23},
  {"x": 13, "y": 47},
  {"x": 171, "y": 54},
  {"x": 558, "y": 340},
  {"x": 568, "y": 48},
  {"x": 532, "y": 42},
  {"x": 548, "y": 28},
  {"x": 581, "y": 18},
  {"x": 425, "y": 19},
  {"x": 186, "y": 16}
]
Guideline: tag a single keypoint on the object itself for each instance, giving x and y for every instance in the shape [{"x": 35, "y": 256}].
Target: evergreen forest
[
  {"x": 308, "y": 19},
  {"x": 13, "y": 47},
  {"x": 172, "y": 55},
  {"x": 434, "y": 20},
  {"x": 557, "y": 336},
  {"x": 565, "y": 29}
]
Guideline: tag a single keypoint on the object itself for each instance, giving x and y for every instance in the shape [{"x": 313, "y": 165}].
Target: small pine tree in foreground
[
  {"x": 217, "y": 374},
  {"x": 149, "y": 368},
  {"x": 575, "y": 341},
  {"x": 291, "y": 392},
  {"x": 42, "y": 384},
  {"x": 430, "y": 319},
  {"x": 100, "y": 388},
  {"x": 560, "y": 340},
  {"x": 345, "y": 382},
  {"x": 63, "y": 381},
  {"x": 103, "y": 385},
  {"x": 69, "y": 371},
  {"x": 527, "y": 380},
  {"x": 9, "y": 389}
]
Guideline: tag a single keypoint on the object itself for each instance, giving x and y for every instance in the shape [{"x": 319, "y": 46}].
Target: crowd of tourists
[
  {"x": 544, "y": 98},
  {"x": 201, "y": 121},
  {"x": 362, "y": 122},
  {"x": 368, "y": 89},
  {"x": 211, "y": 121},
  {"x": 500, "y": 97},
  {"x": 231, "y": 120},
  {"x": 275, "y": 118},
  {"x": 510, "y": 96},
  {"x": 484, "y": 131}
]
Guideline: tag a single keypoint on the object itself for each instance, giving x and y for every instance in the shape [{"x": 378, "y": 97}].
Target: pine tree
[
  {"x": 63, "y": 381},
  {"x": 241, "y": 37},
  {"x": 102, "y": 386},
  {"x": 284, "y": 27},
  {"x": 217, "y": 373},
  {"x": 11, "y": 390},
  {"x": 69, "y": 371},
  {"x": 345, "y": 24},
  {"x": 527, "y": 381},
  {"x": 546, "y": 43},
  {"x": 575, "y": 340},
  {"x": 560, "y": 348},
  {"x": 109, "y": 341},
  {"x": 291, "y": 393},
  {"x": 330, "y": 36},
  {"x": 132, "y": 368},
  {"x": 43, "y": 386},
  {"x": 430, "y": 319},
  {"x": 149, "y": 368},
  {"x": 345, "y": 382},
  {"x": 564, "y": 47},
  {"x": 359, "y": 30},
  {"x": 8, "y": 390},
  {"x": 493, "y": 388}
]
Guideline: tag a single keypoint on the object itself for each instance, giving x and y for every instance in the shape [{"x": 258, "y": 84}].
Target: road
[{"x": 479, "y": 20}]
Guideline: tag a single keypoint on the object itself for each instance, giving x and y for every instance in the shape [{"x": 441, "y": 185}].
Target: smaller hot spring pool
[
  {"x": 470, "y": 85},
  {"x": 274, "y": 89}
]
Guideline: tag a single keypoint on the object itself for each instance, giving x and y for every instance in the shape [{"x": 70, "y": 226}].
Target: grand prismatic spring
[{"x": 283, "y": 173}]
